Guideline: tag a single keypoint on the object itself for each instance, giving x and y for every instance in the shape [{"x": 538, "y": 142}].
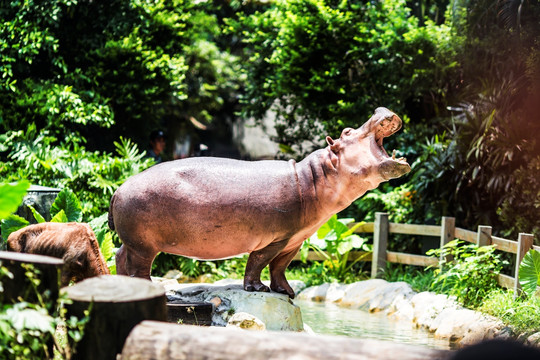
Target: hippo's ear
[{"x": 334, "y": 144}]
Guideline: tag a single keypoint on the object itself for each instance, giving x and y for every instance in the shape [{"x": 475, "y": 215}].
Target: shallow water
[{"x": 330, "y": 319}]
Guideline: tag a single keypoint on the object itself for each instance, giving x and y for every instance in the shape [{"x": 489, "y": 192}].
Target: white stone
[
  {"x": 335, "y": 292},
  {"x": 246, "y": 321},
  {"x": 534, "y": 339},
  {"x": 375, "y": 295},
  {"x": 427, "y": 306},
  {"x": 359, "y": 294},
  {"x": 314, "y": 293},
  {"x": 465, "y": 326}
]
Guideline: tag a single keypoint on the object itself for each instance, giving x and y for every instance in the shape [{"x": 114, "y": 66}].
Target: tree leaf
[
  {"x": 40, "y": 219},
  {"x": 99, "y": 225},
  {"x": 11, "y": 224},
  {"x": 107, "y": 247},
  {"x": 11, "y": 196},
  {"x": 529, "y": 272},
  {"x": 30, "y": 319},
  {"x": 60, "y": 217},
  {"x": 345, "y": 246},
  {"x": 68, "y": 202}
]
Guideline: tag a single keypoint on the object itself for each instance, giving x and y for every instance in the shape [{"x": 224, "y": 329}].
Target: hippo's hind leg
[
  {"x": 134, "y": 263},
  {"x": 257, "y": 261},
  {"x": 278, "y": 266}
]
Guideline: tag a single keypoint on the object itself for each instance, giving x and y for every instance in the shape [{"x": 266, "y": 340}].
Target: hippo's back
[{"x": 231, "y": 206}]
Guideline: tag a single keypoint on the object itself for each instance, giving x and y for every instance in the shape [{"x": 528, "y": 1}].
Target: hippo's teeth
[{"x": 394, "y": 154}]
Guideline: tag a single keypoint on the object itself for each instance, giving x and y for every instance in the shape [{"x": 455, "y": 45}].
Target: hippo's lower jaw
[{"x": 391, "y": 169}]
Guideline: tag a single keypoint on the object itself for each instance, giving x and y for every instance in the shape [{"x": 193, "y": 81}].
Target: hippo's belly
[{"x": 209, "y": 208}]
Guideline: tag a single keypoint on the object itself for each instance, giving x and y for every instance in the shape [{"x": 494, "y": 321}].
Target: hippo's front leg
[
  {"x": 278, "y": 266},
  {"x": 257, "y": 261}
]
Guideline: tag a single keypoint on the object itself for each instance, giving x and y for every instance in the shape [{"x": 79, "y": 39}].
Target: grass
[{"x": 521, "y": 313}]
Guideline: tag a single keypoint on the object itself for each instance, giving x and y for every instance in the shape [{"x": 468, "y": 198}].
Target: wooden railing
[{"x": 447, "y": 231}]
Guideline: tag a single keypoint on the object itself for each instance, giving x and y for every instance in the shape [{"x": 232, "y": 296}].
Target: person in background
[{"x": 157, "y": 145}]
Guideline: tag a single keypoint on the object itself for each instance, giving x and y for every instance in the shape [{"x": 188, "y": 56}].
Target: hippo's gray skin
[{"x": 215, "y": 208}]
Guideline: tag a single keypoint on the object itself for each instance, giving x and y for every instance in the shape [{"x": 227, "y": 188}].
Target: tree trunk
[
  {"x": 47, "y": 271},
  {"x": 165, "y": 341},
  {"x": 117, "y": 304}
]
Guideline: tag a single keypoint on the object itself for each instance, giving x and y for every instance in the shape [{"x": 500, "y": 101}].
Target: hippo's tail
[{"x": 110, "y": 217}]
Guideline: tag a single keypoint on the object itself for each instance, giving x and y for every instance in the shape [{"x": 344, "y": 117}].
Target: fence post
[
  {"x": 448, "y": 229},
  {"x": 483, "y": 237},
  {"x": 525, "y": 243},
  {"x": 380, "y": 242}
]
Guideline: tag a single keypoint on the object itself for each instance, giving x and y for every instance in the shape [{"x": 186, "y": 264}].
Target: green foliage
[
  {"x": 529, "y": 272},
  {"x": 104, "y": 237},
  {"x": 521, "y": 313},
  {"x": 92, "y": 176},
  {"x": 398, "y": 202},
  {"x": 328, "y": 65},
  {"x": 420, "y": 279},
  {"x": 11, "y": 196},
  {"x": 27, "y": 329},
  {"x": 67, "y": 202},
  {"x": 520, "y": 207},
  {"x": 334, "y": 241},
  {"x": 471, "y": 274}
]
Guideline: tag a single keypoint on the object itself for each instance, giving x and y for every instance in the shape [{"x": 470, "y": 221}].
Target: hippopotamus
[
  {"x": 75, "y": 243},
  {"x": 216, "y": 208}
]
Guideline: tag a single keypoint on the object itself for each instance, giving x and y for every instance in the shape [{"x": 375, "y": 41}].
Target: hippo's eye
[{"x": 347, "y": 131}]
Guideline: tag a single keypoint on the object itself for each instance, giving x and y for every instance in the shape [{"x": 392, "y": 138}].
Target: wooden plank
[
  {"x": 505, "y": 244},
  {"x": 364, "y": 228},
  {"x": 483, "y": 237},
  {"x": 410, "y": 259},
  {"x": 525, "y": 243},
  {"x": 465, "y": 235},
  {"x": 537, "y": 248},
  {"x": 506, "y": 281},
  {"x": 380, "y": 242},
  {"x": 448, "y": 229},
  {"x": 353, "y": 255},
  {"x": 415, "y": 229}
]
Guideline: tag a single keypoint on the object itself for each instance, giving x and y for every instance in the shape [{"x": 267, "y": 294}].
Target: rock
[
  {"x": 246, "y": 321},
  {"x": 314, "y": 293},
  {"x": 335, "y": 292},
  {"x": 359, "y": 294},
  {"x": 173, "y": 274},
  {"x": 402, "y": 308},
  {"x": 215, "y": 301},
  {"x": 427, "y": 306},
  {"x": 534, "y": 339},
  {"x": 275, "y": 310},
  {"x": 375, "y": 295}
]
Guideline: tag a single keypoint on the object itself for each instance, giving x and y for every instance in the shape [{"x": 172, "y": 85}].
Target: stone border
[{"x": 437, "y": 313}]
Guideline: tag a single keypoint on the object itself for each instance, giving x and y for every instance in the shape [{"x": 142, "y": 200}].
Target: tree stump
[
  {"x": 165, "y": 341},
  {"x": 117, "y": 303},
  {"x": 47, "y": 271}
]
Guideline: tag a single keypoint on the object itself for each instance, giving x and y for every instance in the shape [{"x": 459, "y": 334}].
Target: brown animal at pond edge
[
  {"x": 75, "y": 243},
  {"x": 215, "y": 208}
]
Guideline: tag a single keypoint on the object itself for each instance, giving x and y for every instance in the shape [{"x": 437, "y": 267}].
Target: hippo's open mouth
[{"x": 385, "y": 128}]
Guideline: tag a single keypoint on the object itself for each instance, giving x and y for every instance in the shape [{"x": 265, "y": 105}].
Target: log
[
  {"x": 19, "y": 286},
  {"x": 117, "y": 304},
  {"x": 165, "y": 341}
]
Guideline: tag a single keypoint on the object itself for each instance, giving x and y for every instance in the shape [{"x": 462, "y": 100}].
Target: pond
[{"x": 331, "y": 319}]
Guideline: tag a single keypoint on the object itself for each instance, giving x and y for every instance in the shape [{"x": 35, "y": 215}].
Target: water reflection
[{"x": 327, "y": 318}]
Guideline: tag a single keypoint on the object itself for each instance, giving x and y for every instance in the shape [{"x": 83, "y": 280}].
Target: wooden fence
[{"x": 447, "y": 231}]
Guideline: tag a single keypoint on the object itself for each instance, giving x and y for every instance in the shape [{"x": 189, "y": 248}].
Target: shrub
[{"x": 470, "y": 274}]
